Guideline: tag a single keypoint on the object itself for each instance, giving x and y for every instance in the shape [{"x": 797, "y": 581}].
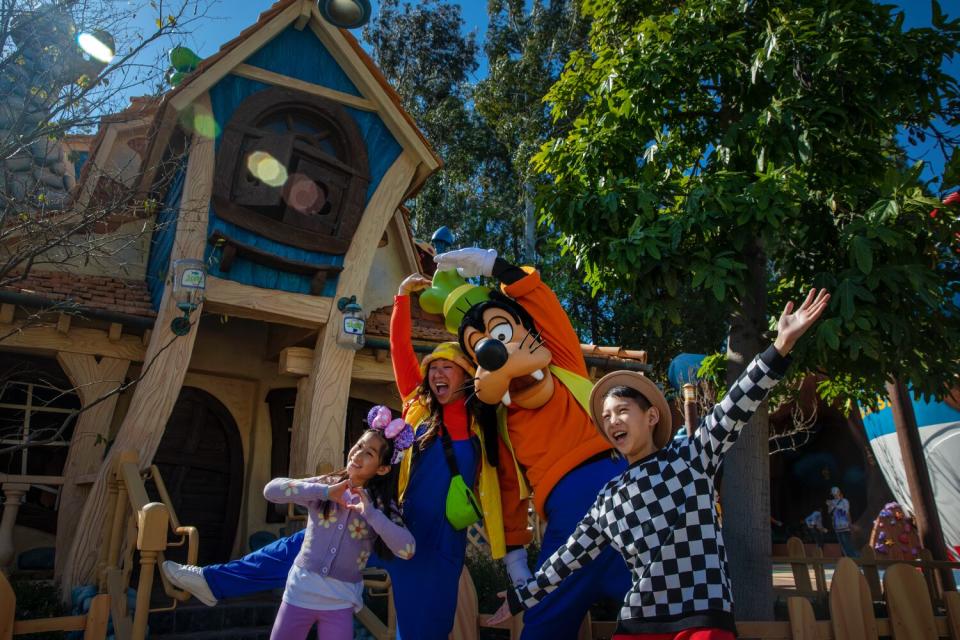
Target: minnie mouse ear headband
[{"x": 380, "y": 419}]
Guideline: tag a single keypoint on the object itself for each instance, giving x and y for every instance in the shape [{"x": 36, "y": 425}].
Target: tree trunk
[
  {"x": 745, "y": 495},
  {"x": 529, "y": 225}
]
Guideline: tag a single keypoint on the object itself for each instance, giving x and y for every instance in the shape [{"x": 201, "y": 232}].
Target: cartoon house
[{"x": 280, "y": 164}]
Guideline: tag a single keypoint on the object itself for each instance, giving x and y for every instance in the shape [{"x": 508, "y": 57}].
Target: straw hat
[{"x": 663, "y": 429}]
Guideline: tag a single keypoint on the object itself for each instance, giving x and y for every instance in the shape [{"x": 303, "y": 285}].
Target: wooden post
[
  {"x": 166, "y": 362},
  {"x": 12, "y": 495},
  {"x": 918, "y": 478},
  {"x": 92, "y": 381},
  {"x": 690, "y": 417},
  {"x": 321, "y": 409}
]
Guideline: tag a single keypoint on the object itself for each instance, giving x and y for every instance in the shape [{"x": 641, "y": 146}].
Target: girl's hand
[
  {"x": 336, "y": 492},
  {"x": 793, "y": 324},
  {"x": 362, "y": 503},
  {"x": 413, "y": 282},
  {"x": 503, "y": 613}
]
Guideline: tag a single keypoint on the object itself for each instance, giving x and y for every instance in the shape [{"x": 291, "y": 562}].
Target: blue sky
[{"x": 229, "y": 17}]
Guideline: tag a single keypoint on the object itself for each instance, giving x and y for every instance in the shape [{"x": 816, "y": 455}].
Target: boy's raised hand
[{"x": 793, "y": 324}]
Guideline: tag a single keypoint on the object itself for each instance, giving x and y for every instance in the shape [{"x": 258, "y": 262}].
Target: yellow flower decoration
[
  {"x": 358, "y": 529},
  {"x": 407, "y": 552},
  {"x": 326, "y": 521},
  {"x": 362, "y": 559}
]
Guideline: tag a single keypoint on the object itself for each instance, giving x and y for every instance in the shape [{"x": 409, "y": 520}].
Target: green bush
[{"x": 38, "y": 599}]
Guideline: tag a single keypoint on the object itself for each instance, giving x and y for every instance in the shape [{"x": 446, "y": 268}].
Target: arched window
[{"x": 292, "y": 167}]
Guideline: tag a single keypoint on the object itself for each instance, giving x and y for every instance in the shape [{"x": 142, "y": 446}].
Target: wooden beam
[
  {"x": 298, "y": 361},
  {"x": 63, "y": 323},
  {"x": 408, "y": 252},
  {"x": 7, "y": 312},
  {"x": 363, "y": 79},
  {"x": 92, "y": 342},
  {"x": 209, "y": 77},
  {"x": 116, "y": 330},
  {"x": 304, "y": 17},
  {"x": 319, "y": 424},
  {"x": 92, "y": 380},
  {"x": 254, "y": 303},
  {"x": 168, "y": 357},
  {"x": 269, "y": 77}
]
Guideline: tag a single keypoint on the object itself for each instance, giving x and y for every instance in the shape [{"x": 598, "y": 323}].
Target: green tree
[
  {"x": 747, "y": 150},
  {"x": 422, "y": 51},
  {"x": 525, "y": 49}
]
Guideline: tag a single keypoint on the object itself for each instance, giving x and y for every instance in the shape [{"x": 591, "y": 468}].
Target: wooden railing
[
  {"x": 93, "y": 623},
  {"x": 138, "y": 523},
  {"x": 14, "y": 488}
]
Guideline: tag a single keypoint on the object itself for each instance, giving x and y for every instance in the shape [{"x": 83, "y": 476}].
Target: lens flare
[
  {"x": 95, "y": 47},
  {"x": 267, "y": 169},
  {"x": 305, "y": 195}
]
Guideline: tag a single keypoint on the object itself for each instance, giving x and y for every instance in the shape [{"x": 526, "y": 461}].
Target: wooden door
[{"x": 201, "y": 461}]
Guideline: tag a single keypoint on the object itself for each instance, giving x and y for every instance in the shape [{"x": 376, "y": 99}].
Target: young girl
[
  {"x": 659, "y": 514},
  {"x": 351, "y": 513}
]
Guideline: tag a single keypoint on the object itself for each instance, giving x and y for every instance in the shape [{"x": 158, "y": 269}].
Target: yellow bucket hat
[{"x": 448, "y": 351}]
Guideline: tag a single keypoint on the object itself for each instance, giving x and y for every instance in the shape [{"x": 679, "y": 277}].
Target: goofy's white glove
[
  {"x": 469, "y": 263},
  {"x": 517, "y": 568}
]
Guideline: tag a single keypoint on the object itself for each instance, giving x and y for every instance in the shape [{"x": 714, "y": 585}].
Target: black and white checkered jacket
[{"x": 660, "y": 516}]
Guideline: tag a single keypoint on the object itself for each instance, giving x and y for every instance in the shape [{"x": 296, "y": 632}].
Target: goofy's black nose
[{"x": 491, "y": 354}]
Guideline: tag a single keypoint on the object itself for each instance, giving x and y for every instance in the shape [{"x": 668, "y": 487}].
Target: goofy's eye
[{"x": 502, "y": 332}]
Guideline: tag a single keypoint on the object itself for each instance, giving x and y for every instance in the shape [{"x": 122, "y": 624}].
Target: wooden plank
[
  {"x": 236, "y": 56},
  {"x": 92, "y": 380},
  {"x": 304, "y": 17},
  {"x": 46, "y": 625},
  {"x": 80, "y": 340},
  {"x": 63, "y": 323},
  {"x": 243, "y": 301},
  {"x": 851, "y": 609},
  {"x": 52, "y": 481},
  {"x": 908, "y": 604},
  {"x": 871, "y": 573},
  {"x": 801, "y": 573},
  {"x": 367, "y": 368},
  {"x": 358, "y": 72},
  {"x": 98, "y": 617},
  {"x": 296, "y": 361},
  {"x": 318, "y": 432},
  {"x": 279, "y": 80},
  {"x": 7, "y": 312},
  {"x": 803, "y": 624},
  {"x": 115, "y": 331},
  {"x": 408, "y": 250},
  {"x": 168, "y": 355},
  {"x": 118, "y": 604}
]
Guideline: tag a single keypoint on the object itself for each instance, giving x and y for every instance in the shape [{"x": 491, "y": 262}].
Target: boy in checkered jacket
[{"x": 659, "y": 514}]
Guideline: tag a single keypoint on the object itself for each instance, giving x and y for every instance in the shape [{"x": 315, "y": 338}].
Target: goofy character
[{"x": 529, "y": 358}]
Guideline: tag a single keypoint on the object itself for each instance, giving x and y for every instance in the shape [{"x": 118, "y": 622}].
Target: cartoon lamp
[{"x": 189, "y": 291}]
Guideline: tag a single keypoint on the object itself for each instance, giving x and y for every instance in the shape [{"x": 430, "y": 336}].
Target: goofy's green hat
[{"x": 452, "y": 296}]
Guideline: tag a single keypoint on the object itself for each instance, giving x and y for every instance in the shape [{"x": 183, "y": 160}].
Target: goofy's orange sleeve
[{"x": 558, "y": 334}]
